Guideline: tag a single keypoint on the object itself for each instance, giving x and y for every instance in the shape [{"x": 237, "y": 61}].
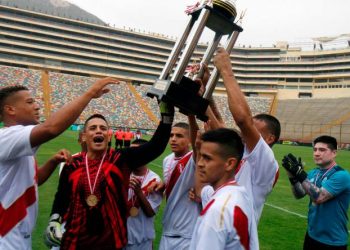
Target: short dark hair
[
  {"x": 139, "y": 141},
  {"x": 183, "y": 125},
  {"x": 329, "y": 140},
  {"x": 6, "y": 92},
  {"x": 273, "y": 125},
  {"x": 229, "y": 140},
  {"x": 94, "y": 116}
]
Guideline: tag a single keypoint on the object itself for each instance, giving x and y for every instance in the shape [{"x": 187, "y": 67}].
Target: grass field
[{"x": 282, "y": 225}]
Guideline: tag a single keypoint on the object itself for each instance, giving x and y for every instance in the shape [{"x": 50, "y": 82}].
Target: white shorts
[
  {"x": 145, "y": 245},
  {"x": 174, "y": 242}
]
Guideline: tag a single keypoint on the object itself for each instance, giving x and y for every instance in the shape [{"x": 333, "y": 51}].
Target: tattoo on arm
[
  {"x": 318, "y": 195},
  {"x": 298, "y": 190}
]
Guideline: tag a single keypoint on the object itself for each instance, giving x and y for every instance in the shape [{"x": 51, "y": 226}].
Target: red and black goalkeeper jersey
[{"x": 102, "y": 226}]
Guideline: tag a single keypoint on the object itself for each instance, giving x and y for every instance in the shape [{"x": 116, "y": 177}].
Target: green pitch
[{"x": 282, "y": 225}]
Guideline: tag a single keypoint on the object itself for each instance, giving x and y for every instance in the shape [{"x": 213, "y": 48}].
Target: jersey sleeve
[
  {"x": 210, "y": 234},
  {"x": 206, "y": 194},
  {"x": 155, "y": 198},
  {"x": 337, "y": 183},
  {"x": 17, "y": 141},
  {"x": 263, "y": 163}
]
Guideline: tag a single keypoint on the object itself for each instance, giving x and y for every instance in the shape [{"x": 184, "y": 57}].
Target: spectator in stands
[
  {"x": 142, "y": 205},
  {"x": 328, "y": 186},
  {"x": 128, "y": 136},
  {"x": 97, "y": 203},
  {"x": 22, "y": 135},
  {"x": 119, "y": 137}
]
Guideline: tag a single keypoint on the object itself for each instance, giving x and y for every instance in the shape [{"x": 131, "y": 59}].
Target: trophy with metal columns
[{"x": 180, "y": 90}]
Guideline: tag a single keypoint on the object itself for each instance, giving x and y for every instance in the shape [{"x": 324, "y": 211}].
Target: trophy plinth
[{"x": 182, "y": 91}]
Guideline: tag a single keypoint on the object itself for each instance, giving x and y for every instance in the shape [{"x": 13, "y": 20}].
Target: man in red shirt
[
  {"x": 128, "y": 136},
  {"x": 92, "y": 192},
  {"x": 119, "y": 136}
]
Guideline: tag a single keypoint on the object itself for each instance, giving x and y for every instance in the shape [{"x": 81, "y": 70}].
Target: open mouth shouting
[{"x": 98, "y": 139}]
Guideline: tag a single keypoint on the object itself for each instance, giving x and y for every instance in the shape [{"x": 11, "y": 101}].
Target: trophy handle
[
  {"x": 231, "y": 40},
  {"x": 209, "y": 54},
  {"x": 188, "y": 51},
  {"x": 177, "y": 49}
]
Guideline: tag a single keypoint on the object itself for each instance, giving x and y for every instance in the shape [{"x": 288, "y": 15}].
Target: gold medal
[
  {"x": 134, "y": 211},
  {"x": 91, "y": 200}
]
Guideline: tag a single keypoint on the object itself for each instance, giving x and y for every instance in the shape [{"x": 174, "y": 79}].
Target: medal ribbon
[
  {"x": 92, "y": 188},
  {"x": 329, "y": 169}
]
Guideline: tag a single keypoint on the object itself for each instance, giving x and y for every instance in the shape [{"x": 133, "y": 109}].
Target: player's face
[
  {"x": 179, "y": 141},
  {"x": 211, "y": 165},
  {"x": 263, "y": 130},
  {"x": 323, "y": 155},
  {"x": 96, "y": 135},
  {"x": 24, "y": 108}
]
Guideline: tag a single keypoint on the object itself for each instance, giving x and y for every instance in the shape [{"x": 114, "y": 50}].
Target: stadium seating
[
  {"x": 119, "y": 106},
  {"x": 304, "y": 119}
]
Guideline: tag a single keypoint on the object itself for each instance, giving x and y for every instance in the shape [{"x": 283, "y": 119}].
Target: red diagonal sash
[{"x": 180, "y": 166}]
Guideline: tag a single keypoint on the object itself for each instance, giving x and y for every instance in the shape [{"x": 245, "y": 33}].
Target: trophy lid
[{"x": 225, "y": 7}]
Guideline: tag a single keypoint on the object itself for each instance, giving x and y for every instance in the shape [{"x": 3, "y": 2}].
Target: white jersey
[
  {"x": 257, "y": 172},
  {"x": 18, "y": 188},
  {"x": 227, "y": 222},
  {"x": 180, "y": 214},
  {"x": 141, "y": 227}
]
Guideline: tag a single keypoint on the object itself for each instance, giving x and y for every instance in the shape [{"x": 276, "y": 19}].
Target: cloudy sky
[{"x": 265, "y": 22}]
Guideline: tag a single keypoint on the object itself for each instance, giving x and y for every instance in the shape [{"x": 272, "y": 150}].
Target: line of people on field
[
  {"x": 107, "y": 198},
  {"x": 124, "y": 137}
]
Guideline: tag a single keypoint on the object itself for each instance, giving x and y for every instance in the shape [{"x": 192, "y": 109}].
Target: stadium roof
[{"x": 60, "y": 8}]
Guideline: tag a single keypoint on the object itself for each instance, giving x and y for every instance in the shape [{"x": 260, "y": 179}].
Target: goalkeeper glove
[
  {"x": 53, "y": 233},
  {"x": 294, "y": 167},
  {"x": 167, "y": 112}
]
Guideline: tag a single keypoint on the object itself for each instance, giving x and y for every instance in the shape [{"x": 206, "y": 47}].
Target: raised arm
[
  {"x": 139, "y": 156},
  {"x": 317, "y": 194},
  {"x": 237, "y": 103},
  {"x": 47, "y": 169},
  {"x": 64, "y": 117}
]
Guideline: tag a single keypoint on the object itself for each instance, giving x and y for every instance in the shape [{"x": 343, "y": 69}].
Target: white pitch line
[
  {"x": 286, "y": 210},
  {"x": 267, "y": 204},
  {"x": 290, "y": 212}
]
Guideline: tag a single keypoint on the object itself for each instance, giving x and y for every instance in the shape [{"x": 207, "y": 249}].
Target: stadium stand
[
  {"x": 304, "y": 119},
  {"x": 57, "y": 49}
]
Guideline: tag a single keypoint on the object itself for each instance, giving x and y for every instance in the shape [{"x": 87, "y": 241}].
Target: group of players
[
  {"x": 123, "y": 137},
  {"x": 214, "y": 194}
]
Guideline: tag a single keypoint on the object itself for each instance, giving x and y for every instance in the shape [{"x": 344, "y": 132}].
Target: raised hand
[
  {"x": 135, "y": 184},
  {"x": 99, "y": 87},
  {"x": 62, "y": 156},
  {"x": 222, "y": 60},
  {"x": 294, "y": 167},
  {"x": 167, "y": 112}
]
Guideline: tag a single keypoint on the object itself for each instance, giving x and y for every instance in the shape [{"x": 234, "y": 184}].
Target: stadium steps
[
  {"x": 142, "y": 103},
  {"x": 274, "y": 105},
  {"x": 326, "y": 128},
  {"x": 303, "y": 119},
  {"x": 46, "y": 92}
]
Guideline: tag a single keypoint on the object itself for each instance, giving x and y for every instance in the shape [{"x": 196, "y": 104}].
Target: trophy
[{"x": 182, "y": 91}]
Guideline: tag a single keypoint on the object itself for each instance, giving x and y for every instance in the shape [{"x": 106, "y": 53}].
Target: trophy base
[{"x": 183, "y": 95}]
